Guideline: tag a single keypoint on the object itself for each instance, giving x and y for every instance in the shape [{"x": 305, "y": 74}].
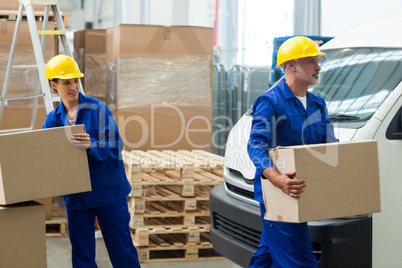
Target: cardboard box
[
  {"x": 42, "y": 163},
  {"x": 342, "y": 180},
  {"x": 90, "y": 54},
  {"x": 19, "y": 117},
  {"x": 165, "y": 127},
  {"x": 162, "y": 64},
  {"x": 169, "y": 68},
  {"x": 23, "y": 235}
]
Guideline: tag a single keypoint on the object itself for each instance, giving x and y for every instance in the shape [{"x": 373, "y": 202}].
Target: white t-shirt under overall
[{"x": 303, "y": 101}]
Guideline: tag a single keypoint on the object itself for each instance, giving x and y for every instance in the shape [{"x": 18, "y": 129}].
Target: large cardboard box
[
  {"x": 23, "y": 235},
  {"x": 162, "y": 75},
  {"x": 20, "y": 117},
  {"x": 342, "y": 180},
  {"x": 162, "y": 127},
  {"x": 41, "y": 163},
  {"x": 90, "y": 54}
]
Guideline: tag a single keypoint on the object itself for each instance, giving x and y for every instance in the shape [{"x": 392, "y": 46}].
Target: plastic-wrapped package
[
  {"x": 159, "y": 85},
  {"x": 90, "y": 54},
  {"x": 181, "y": 80}
]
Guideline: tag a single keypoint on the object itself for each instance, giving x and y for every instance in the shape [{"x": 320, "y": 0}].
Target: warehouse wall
[
  {"x": 102, "y": 13},
  {"x": 245, "y": 28},
  {"x": 201, "y": 13}
]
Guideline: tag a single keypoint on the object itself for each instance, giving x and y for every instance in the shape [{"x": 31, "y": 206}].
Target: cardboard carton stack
[
  {"x": 35, "y": 165},
  {"x": 159, "y": 84},
  {"x": 169, "y": 203},
  {"x": 90, "y": 54},
  {"x": 23, "y": 239}
]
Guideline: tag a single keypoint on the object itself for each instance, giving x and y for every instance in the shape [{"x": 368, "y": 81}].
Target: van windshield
[{"x": 355, "y": 82}]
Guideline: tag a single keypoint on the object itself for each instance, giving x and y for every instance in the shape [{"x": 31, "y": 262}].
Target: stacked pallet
[
  {"x": 169, "y": 203},
  {"x": 56, "y": 223}
]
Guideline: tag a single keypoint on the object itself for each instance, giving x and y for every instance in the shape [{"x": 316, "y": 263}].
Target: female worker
[{"x": 107, "y": 201}]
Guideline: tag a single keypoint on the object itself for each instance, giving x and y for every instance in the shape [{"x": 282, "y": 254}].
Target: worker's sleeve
[
  {"x": 262, "y": 129},
  {"x": 108, "y": 144},
  {"x": 45, "y": 125},
  {"x": 49, "y": 121},
  {"x": 330, "y": 134}
]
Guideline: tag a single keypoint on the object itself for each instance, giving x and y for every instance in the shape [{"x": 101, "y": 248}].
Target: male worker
[{"x": 287, "y": 115}]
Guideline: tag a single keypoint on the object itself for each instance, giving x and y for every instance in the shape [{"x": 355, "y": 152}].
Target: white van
[{"x": 361, "y": 82}]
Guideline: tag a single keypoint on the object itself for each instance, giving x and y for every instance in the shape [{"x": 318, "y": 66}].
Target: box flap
[
  {"x": 277, "y": 202},
  {"x": 2, "y": 193}
]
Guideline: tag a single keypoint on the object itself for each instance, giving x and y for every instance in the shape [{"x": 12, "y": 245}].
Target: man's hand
[
  {"x": 81, "y": 140},
  {"x": 286, "y": 181}
]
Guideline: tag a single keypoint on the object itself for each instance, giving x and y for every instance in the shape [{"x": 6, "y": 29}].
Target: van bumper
[{"x": 236, "y": 227}]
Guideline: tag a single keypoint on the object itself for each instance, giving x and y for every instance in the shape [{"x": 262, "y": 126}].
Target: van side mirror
[{"x": 394, "y": 130}]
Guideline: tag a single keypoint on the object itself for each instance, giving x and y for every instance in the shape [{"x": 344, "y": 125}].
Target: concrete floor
[{"x": 59, "y": 256}]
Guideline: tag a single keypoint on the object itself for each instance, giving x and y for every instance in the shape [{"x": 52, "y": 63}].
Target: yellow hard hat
[
  {"x": 296, "y": 48},
  {"x": 62, "y": 67}
]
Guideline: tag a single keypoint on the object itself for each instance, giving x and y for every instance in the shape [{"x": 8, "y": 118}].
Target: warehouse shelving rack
[{"x": 235, "y": 88}]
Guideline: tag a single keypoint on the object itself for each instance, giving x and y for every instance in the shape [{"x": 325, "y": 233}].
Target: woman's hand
[{"x": 81, "y": 140}]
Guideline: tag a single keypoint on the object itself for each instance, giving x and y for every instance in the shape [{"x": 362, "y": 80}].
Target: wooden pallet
[
  {"x": 143, "y": 189},
  {"x": 185, "y": 188},
  {"x": 163, "y": 193},
  {"x": 176, "y": 204},
  {"x": 156, "y": 253},
  {"x": 56, "y": 227},
  {"x": 174, "y": 236},
  {"x": 203, "y": 159},
  {"x": 169, "y": 203},
  {"x": 173, "y": 167},
  {"x": 165, "y": 220},
  {"x": 138, "y": 162}
]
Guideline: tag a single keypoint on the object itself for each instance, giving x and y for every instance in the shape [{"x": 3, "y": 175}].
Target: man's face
[{"x": 307, "y": 70}]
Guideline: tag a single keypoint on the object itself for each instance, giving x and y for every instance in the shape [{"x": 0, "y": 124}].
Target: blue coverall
[
  {"x": 110, "y": 187},
  {"x": 280, "y": 119}
]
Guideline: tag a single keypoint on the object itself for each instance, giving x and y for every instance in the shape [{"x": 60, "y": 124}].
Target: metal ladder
[{"x": 38, "y": 48}]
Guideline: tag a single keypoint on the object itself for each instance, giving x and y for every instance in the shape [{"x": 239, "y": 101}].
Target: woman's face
[{"x": 67, "y": 89}]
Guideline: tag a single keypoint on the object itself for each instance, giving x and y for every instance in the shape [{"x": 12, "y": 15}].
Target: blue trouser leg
[
  {"x": 81, "y": 227},
  {"x": 288, "y": 245},
  {"x": 262, "y": 257},
  {"x": 114, "y": 223}
]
